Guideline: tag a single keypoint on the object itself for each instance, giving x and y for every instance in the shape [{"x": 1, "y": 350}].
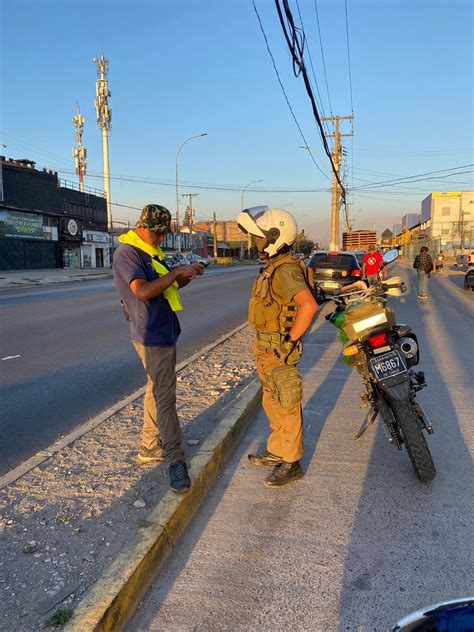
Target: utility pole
[
  {"x": 188, "y": 217},
  {"x": 336, "y": 189},
  {"x": 104, "y": 121},
  {"x": 79, "y": 152},
  {"x": 215, "y": 237}
]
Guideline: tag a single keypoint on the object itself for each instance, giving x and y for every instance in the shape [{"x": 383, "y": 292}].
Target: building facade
[
  {"x": 359, "y": 239},
  {"x": 46, "y": 223},
  {"x": 449, "y": 218}
]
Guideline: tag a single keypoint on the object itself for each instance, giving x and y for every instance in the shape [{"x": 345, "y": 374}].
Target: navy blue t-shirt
[{"x": 152, "y": 323}]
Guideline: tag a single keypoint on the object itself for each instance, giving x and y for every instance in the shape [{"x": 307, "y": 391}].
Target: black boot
[
  {"x": 284, "y": 473},
  {"x": 264, "y": 458}
]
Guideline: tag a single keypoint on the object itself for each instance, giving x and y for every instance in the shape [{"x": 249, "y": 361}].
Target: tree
[{"x": 304, "y": 245}]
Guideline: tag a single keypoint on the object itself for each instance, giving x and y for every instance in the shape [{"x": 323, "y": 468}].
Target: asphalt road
[
  {"x": 75, "y": 357},
  {"x": 359, "y": 542}
]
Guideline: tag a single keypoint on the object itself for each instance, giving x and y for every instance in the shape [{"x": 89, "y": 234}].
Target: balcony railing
[{"x": 68, "y": 184}]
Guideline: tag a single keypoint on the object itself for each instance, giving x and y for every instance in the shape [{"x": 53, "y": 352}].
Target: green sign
[{"x": 21, "y": 225}]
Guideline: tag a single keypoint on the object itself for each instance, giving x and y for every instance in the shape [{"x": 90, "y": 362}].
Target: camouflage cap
[{"x": 156, "y": 218}]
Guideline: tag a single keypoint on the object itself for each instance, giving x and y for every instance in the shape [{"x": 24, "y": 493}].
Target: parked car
[
  {"x": 464, "y": 260},
  {"x": 333, "y": 270},
  {"x": 176, "y": 259},
  {"x": 198, "y": 259},
  {"x": 469, "y": 278},
  {"x": 360, "y": 255}
]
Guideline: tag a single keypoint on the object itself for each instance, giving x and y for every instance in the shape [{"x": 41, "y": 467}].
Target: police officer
[{"x": 281, "y": 309}]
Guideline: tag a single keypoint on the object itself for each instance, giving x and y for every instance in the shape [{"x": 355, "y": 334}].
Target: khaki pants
[
  {"x": 160, "y": 420},
  {"x": 286, "y": 424}
]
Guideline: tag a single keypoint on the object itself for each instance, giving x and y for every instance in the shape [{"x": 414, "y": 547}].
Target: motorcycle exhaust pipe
[{"x": 409, "y": 347}]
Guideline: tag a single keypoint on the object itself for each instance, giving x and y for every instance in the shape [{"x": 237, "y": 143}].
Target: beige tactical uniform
[{"x": 272, "y": 311}]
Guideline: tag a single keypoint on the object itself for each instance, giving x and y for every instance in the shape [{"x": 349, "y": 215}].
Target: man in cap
[
  {"x": 148, "y": 290},
  {"x": 372, "y": 263}
]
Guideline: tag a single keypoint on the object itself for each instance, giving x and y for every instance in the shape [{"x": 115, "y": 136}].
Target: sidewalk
[
  {"x": 11, "y": 279},
  {"x": 359, "y": 542}
]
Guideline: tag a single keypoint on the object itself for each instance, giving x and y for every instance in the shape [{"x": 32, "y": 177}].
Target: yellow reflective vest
[{"x": 171, "y": 294}]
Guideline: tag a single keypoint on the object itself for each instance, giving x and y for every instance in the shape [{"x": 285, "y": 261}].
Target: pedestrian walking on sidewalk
[
  {"x": 372, "y": 263},
  {"x": 439, "y": 262},
  {"x": 423, "y": 265},
  {"x": 281, "y": 308},
  {"x": 148, "y": 290}
]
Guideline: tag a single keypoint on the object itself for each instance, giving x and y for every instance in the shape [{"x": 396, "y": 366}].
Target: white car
[{"x": 192, "y": 257}]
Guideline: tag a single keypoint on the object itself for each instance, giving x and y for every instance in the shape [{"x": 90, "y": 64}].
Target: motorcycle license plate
[
  {"x": 330, "y": 284},
  {"x": 388, "y": 365}
]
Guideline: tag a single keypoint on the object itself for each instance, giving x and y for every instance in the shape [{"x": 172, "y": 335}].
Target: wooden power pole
[
  {"x": 189, "y": 216},
  {"x": 215, "y": 237},
  {"x": 336, "y": 189}
]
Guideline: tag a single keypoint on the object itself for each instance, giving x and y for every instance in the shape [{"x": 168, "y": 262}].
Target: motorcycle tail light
[
  {"x": 355, "y": 273},
  {"x": 379, "y": 340}
]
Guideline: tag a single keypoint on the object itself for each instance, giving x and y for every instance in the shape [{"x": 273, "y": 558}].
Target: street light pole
[
  {"x": 178, "y": 235},
  {"x": 249, "y": 243},
  {"x": 243, "y": 191}
]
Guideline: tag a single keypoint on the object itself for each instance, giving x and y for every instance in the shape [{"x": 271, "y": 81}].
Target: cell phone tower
[
  {"x": 79, "y": 152},
  {"x": 104, "y": 121}
]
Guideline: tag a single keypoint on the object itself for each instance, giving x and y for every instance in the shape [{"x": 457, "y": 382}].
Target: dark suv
[{"x": 333, "y": 270}]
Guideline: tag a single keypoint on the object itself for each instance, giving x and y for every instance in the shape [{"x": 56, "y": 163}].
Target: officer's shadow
[{"x": 323, "y": 395}]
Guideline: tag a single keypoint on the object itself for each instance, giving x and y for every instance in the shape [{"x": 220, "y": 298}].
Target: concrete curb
[
  {"x": 41, "y": 456},
  {"x": 112, "y": 600}
]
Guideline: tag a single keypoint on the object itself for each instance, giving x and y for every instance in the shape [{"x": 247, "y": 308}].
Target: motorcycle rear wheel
[{"x": 415, "y": 442}]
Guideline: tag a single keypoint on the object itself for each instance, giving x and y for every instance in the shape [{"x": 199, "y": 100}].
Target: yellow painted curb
[{"x": 112, "y": 600}]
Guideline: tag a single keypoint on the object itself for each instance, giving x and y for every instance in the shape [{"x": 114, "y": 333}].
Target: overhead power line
[
  {"x": 284, "y": 91},
  {"x": 322, "y": 55},
  {"x": 295, "y": 40},
  {"x": 418, "y": 175},
  {"x": 310, "y": 60},
  {"x": 349, "y": 56}
]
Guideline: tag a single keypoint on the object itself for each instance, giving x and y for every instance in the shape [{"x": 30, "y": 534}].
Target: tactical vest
[{"x": 267, "y": 311}]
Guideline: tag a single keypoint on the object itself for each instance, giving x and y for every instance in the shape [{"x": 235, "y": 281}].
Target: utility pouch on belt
[{"x": 287, "y": 385}]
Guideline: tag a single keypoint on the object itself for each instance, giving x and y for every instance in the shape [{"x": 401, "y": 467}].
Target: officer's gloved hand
[{"x": 289, "y": 351}]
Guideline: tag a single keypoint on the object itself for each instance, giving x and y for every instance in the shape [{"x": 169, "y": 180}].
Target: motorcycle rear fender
[{"x": 399, "y": 392}]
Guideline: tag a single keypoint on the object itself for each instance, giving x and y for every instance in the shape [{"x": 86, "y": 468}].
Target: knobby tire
[{"x": 415, "y": 442}]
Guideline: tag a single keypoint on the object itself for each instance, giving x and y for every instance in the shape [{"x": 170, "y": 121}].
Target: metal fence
[{"x": 409, "y": 251}]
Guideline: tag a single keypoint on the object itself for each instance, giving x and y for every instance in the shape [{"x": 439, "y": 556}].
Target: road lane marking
[{"x": 11, "y": 357}]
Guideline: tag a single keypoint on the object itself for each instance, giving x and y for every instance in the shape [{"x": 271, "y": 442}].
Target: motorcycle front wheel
[{"x": 415, "y": 442}]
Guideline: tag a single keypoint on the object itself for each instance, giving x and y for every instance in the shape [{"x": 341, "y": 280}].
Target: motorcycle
[{"x": 384, "y": 354}]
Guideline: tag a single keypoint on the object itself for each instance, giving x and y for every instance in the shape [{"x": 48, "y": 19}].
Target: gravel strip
[{"x": 64, "y": 521}]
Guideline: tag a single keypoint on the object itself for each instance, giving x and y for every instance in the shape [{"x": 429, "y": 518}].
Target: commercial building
[
  {"x": 47, "y": 223},
  {"x": 230, "y": 239},
  {"x": 410, "y": 220},
  {"x": 386, "y": 238},
  {"x": 449, "y": 218},
  {"x": 359, "y": 239}
]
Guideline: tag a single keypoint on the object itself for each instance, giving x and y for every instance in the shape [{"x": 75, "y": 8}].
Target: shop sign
[
  {"x": 21, "y": 225},
  {"x": 454, "y": 194}
]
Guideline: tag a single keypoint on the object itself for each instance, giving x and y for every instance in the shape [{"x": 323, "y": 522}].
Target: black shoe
[
  {"x": 284, "y": 473},
  {"x": 146, "y": 455},
  {"x": 264, "y": 458},
  {"x": 179, "y": 477}
]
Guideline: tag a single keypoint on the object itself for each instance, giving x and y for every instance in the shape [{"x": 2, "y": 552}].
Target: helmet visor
[
  {"x": 255, "y": 212},
  {"x": 247, "y": 220}
]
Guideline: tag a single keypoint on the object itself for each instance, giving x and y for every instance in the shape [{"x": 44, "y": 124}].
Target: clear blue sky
[{"x": 179, "y": 68}]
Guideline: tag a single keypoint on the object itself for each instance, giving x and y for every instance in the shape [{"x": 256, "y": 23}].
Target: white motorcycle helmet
[{"x": 277, "y": 226}]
